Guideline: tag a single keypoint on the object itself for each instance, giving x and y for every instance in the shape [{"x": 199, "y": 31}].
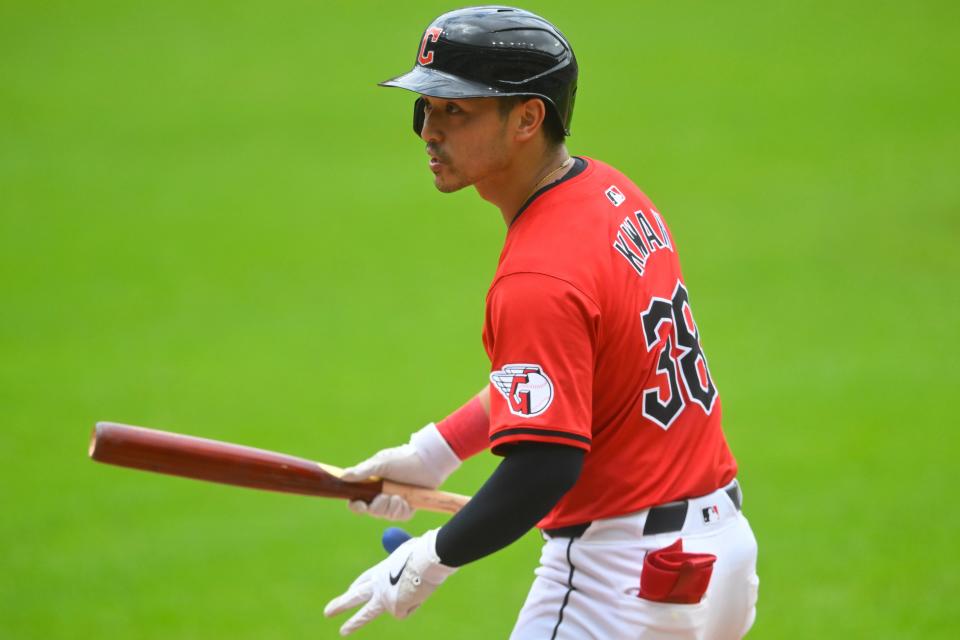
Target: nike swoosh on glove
[
  {"x": 426, "y": 461},
  {"x": 397, "y": 585}
]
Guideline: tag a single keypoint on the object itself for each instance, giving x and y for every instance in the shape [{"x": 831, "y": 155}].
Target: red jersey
[{"x": 593, "y": 344}]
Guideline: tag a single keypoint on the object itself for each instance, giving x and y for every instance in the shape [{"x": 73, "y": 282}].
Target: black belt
[{"x": 662, "y": 518}]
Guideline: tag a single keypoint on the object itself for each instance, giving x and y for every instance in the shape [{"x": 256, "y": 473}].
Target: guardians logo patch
[{"x": 526, "y": 388}]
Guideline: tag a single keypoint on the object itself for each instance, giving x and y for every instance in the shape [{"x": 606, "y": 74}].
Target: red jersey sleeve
[{"x": 540, "y": 334}]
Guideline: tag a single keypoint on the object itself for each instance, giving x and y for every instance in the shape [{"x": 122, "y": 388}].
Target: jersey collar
[{"x": 579, "y": 166}]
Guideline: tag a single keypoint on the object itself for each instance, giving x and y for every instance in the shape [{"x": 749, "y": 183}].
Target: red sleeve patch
[{"x": 526, "y": 388}]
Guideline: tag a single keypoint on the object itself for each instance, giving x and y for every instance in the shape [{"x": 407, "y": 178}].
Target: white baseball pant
[{"x": 587, "y": 587}]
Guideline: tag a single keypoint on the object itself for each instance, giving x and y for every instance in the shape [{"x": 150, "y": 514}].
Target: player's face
[{"x": 466, "y": 140}]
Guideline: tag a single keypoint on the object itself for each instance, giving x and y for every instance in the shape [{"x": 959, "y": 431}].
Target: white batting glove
[
  {"x": 397, "y": 585},
  {"x": 426, "y": 461}
]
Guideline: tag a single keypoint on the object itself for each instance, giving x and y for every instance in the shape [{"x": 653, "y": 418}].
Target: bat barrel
[{"x": 214, "y": 461}]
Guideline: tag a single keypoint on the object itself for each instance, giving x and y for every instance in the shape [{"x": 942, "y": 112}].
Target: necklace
[{"x": 546, "y": 179}]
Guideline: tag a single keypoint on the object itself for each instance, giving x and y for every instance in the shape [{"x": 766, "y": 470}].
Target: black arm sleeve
[{"x": 528, "y": 483}]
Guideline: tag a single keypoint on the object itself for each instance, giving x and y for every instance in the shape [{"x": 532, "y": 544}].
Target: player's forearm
[
  {"x": 484, "y": 398},
  {"x": 528, "y": 483},
  {"x": 467, "y": 429}
]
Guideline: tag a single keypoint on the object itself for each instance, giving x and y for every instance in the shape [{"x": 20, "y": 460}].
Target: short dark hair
[{"x": 552, "y": 128}]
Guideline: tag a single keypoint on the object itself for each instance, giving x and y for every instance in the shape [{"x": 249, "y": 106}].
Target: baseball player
[{"x": 600, "y": 399}]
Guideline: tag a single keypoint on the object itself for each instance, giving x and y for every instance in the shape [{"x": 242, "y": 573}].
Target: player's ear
[{"x": 532, "y": 113}]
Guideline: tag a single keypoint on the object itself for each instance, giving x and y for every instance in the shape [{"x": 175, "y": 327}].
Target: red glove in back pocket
[{"x": 672, "y": 575}]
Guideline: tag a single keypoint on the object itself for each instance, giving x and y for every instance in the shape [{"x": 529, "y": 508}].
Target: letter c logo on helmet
[{"x": 432, "y": 34}]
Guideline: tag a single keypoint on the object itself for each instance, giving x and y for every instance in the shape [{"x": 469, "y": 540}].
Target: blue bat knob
[{"x": 393, "y": 538}]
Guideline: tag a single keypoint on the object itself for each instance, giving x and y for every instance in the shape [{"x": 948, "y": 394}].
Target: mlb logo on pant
[{"x": 711, "y": 514}]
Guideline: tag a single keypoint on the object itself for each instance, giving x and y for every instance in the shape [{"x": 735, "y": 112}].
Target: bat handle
[{"x": 426, "y": 499}]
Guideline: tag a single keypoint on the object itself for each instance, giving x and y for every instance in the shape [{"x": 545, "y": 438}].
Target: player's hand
[
  {"x": 425, "y": 461},
  {"x": 397, "y": 585}
]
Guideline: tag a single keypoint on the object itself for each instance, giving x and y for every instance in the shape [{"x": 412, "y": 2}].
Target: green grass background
[{"x": 212, "y": 221}]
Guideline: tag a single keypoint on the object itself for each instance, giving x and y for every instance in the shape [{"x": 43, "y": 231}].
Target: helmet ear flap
[{"x": 418, "y": 116}]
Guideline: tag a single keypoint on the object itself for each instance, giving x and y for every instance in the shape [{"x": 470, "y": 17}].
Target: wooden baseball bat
[{"x": 215, "y": 461}]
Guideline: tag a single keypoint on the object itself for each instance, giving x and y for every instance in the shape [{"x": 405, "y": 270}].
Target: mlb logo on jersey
[
  {"x": 711, "y": 514},
  {"x": 526, "y": 388},
  {"x": 615, "y": 196}
]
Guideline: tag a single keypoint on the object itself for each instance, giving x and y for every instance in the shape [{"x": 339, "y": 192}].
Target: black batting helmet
[{"x": 491, "y": 52}]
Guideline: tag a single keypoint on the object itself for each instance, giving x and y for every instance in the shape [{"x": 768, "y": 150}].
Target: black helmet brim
[{"x": 438, "y": 84}]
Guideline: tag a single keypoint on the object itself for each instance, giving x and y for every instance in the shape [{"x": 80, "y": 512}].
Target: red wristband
[{"x": 467, "y": 430}]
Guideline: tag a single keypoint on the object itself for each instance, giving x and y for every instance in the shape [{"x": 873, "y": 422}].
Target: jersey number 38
[{"x": 680, "y": 358}]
